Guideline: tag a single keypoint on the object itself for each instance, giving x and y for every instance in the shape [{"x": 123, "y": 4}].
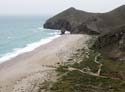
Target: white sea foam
[
  {"x": 40, "y": 28},
  {"x": 28, "y": 48}
]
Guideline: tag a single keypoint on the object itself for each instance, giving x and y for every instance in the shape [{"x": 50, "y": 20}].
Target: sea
[{"x": 20, "y": 34}]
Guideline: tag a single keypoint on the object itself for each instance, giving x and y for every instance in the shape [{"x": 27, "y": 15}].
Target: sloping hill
[
  {"x": 77, "y": 21},
  {"x": 69, "y": 20},
  {"x": 109, "y": 26},
  {"x": 115, "y": 17},
  {"x": 112, "y": 44},
  {"x": 105, "y": 57}
]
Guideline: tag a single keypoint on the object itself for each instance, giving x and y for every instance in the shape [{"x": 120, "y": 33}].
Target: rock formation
[
  {"x": 70, "y": 20},
  {"x": 112, "y": 44},
  {"x": 109, "y": 26},
  {"x": 77, "y": 21}
]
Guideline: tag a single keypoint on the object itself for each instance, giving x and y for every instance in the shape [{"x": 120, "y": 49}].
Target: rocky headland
[
  {"x": 90, "y": 59},
  {"x": 109, "y": 28},
  {"x": 101, "y": 67}
]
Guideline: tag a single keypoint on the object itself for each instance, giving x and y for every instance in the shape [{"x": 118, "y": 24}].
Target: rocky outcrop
[
  {"x": 112, "y": 44},
  {"x": 122, "y": 43},
  {"x": 77, "y": 21},
  {"x": 110, "y": 28},
  {"x": 71, "y": 20}
]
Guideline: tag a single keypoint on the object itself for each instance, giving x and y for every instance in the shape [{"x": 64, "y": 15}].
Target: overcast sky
[{"x": 38, "y": 7}]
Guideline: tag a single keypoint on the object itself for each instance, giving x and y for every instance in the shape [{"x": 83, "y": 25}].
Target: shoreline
[
  {"x": 28, "y": 48},
  {"x": 26, "y": 68}
]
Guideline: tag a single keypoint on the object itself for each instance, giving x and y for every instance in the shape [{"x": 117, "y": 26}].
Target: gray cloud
[{"x": 38, "y": 7}]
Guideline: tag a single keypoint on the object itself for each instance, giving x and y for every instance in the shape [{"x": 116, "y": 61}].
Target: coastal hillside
[
  {"x": 109, "y": 28},
  {"x": 100, "y": 68},
  {"x": 77, "y": 21},
  {"x": 73, "y": 51},
  {"x": 92, "y": 73},
  {"x": 112, "y": 44},
  {"x": 69, "y": 20},
  {"x": 115, "y": 17}
]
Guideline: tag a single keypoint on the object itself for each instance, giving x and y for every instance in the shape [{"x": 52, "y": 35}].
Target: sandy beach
[{"x": 27, "y": 71}]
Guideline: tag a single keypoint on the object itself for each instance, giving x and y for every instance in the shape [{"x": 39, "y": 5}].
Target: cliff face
[
  {"x": 76, "y": 21},
  {"x": 112, "y": 44},
  {"x": 110, "y": 28},
  {"x": 71, "y": 20}
]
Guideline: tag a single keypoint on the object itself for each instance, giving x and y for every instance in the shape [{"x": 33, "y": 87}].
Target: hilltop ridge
[{"x": 72, "y": 20}]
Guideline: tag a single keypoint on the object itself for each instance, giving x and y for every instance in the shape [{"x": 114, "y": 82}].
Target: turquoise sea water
[{"x": 19, "y": 34}]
